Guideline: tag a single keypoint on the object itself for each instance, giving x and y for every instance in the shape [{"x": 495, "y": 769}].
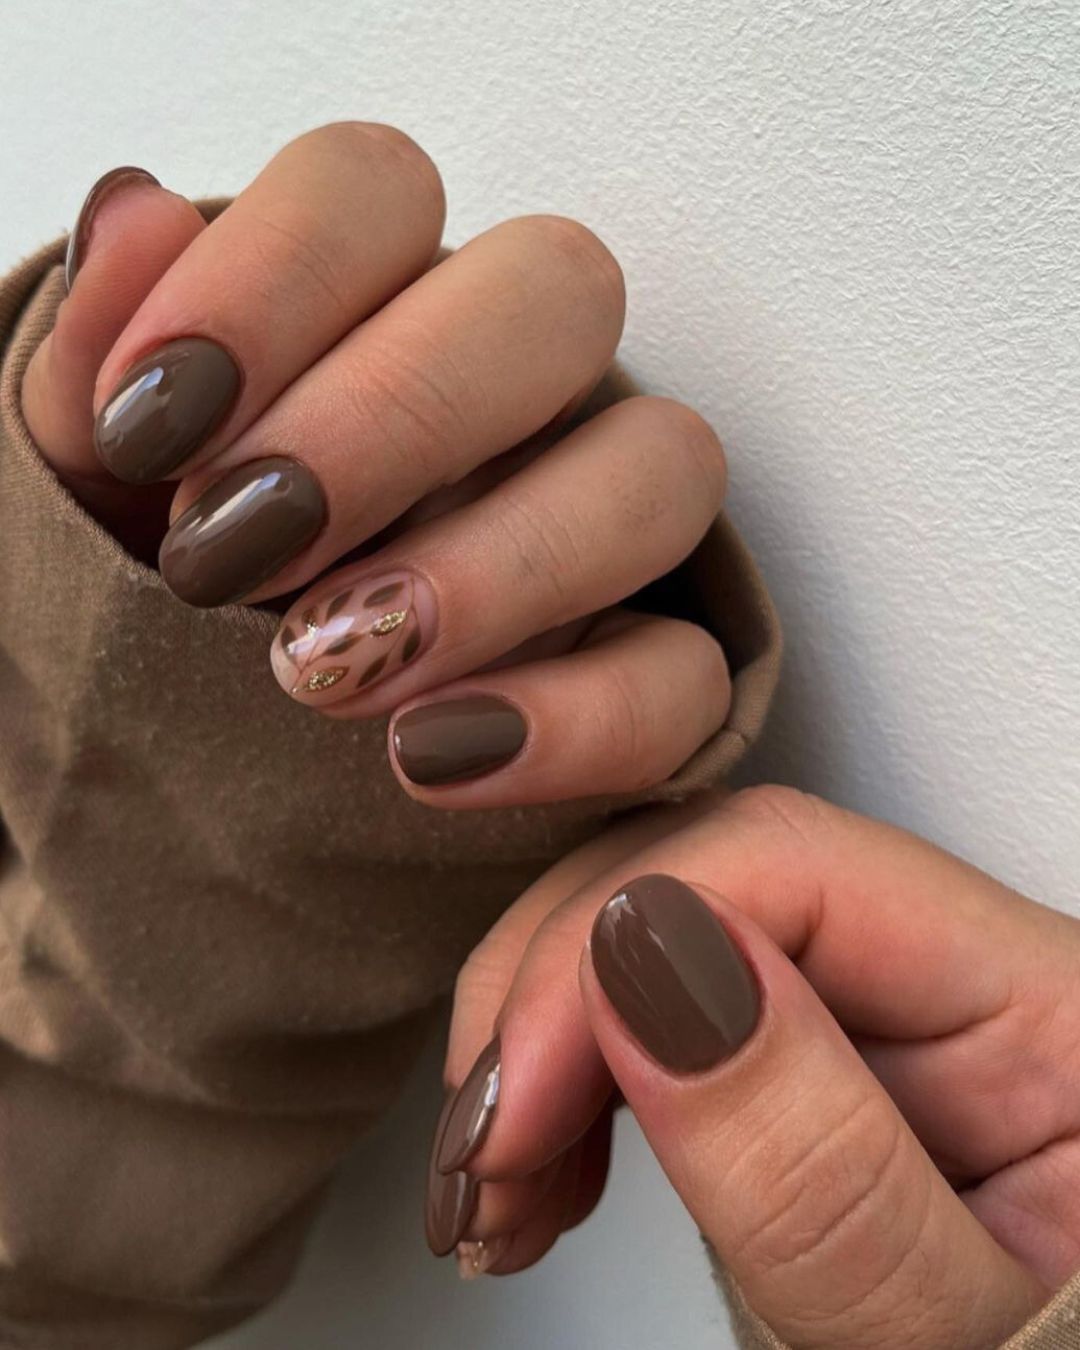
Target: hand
[
  {"x": 856, "y": 1058},
  {"x": 309, "y": 380}
]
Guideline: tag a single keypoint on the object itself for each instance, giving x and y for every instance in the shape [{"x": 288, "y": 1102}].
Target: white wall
[{"x": 850, "y": 232}]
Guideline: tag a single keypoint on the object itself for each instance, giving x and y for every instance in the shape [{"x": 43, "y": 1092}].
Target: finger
[
  {"x": 339, "y": 221},
  {"x": 482, "y": 988},
  {"x": 475, "y": 356},
  {"x": 593, "y": 1167},
  {"x": 619, "y": 713},
  {"x": 522, "y": 1247},
  {"x": 789, "y": 1155},
  {"x": 130, "y": 230},
  {"x": 547, "y": 546},
  {"x": 899, "y": 939},
  {"x": 503, "y": 1206}
]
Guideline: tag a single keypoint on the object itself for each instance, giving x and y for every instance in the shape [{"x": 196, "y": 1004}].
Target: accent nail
[
  {"x": 457, "y": 739},
  {"x": 450, "y": 1201},
  {"x": 472, "y": 1110},
  {"x": 242, "y": 531},
  {"x": 352, "y": 637},
  {"x": 127, "y": 175},
  {"x": 477, "y": 1258},
  {"x": 165, "y": 408},
  {"x": 674, "y": 976}
]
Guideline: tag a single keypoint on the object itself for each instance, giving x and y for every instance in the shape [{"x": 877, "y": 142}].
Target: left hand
[
  {"x": 336, "y": 411},
  {"x": 856, "y": 1057}
]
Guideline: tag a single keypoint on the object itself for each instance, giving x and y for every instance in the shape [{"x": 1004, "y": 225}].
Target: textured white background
[{"x": 850, "y": 232}]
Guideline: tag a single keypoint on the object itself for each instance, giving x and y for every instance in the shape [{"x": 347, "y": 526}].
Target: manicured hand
[
  {"x": 856, "y": 1057},
  {"x": 308, "y": 398}
]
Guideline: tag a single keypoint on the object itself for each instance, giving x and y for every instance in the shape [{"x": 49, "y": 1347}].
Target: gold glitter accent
[
  {"x": 321, "y": 679},
  {"x": 389, "y": 622},
  {"x": 311, "y": 622}
]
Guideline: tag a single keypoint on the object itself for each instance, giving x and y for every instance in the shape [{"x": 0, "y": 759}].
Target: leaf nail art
[{"x": 356, "y": 636}]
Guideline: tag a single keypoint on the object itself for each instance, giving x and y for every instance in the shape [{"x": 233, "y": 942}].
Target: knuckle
[
  {"x": 798, "y": 813},
  {"x": 484, "y": 975},
  {"x": 545, "y": 549},
  {"x": 585, "y": 252},
  {"x": 831, "y": 1200},
  {"x": 419, "y": 406},
  {"x": 625, "y": 722}
]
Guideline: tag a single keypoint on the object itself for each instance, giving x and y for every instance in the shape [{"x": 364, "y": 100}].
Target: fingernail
[
  {"x": 450, "y": 1201},
  {"x": 165, "y": 408},
  {"x": 477, "y": 1258},
  {"x": 673, "y": 975},
  {"x": 79, "y": 239},
  {"x": 471, "y": 1111},
  {"x": 242, "y": 531},
  {"x": 457, "y": 739},
  {"x": 354, "y": 638}
]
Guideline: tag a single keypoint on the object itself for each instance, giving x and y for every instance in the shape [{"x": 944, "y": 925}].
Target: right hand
[
  {"x": 856, "y": 1057},
  {"x": 309, "y": 395}
]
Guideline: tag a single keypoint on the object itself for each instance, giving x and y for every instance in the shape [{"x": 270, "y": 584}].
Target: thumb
[{"x": 788, "y": 1153}]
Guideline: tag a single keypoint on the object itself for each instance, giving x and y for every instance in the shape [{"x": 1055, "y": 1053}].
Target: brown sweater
[{"x": 223, "y": 928}]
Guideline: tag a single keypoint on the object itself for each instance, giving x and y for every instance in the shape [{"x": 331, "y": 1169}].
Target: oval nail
[
  {"x": 457, "y": 739},
  {"x": 347, "y": 638},
  {"x": 450, "y": 1201},
  {"x": 242, "y": 531},
  {"x": 472, "y": 1110},
  {"x": 127, "y": 175},
  {"x": 165, "y": 408}
]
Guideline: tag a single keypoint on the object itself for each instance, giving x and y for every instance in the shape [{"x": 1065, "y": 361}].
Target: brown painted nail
[
  {"x": 242, "y": 531},
  {"x": 471, "y": 1111},
  {"x": 673, "y": 975},
  {"x": 450, "y": 1201},
  {"x": 457, "y": 739},
  {"x": 165, "y": 408},
  {"x": 128, "y": 175},
  {"x": 338, "y": 641}
]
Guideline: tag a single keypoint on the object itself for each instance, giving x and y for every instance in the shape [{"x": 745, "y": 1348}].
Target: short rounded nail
[
  {"x": 472, "y": 1110},
  {"x": 457, "y": 739},
  {"x": 165, "y": 408},
  {"x": 450, "y": 1201},
  {"x": 349, "y": 638},
  {"x": 242, "y": 531},
  {"x": 676, "y": 979},
  {"x": 116, "y": 180}
]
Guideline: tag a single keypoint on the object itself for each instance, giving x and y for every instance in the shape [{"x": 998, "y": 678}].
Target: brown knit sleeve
[{"x": 222, "y": 924}]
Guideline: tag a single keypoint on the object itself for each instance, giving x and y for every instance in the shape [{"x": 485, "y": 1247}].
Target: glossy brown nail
[
  {"x": 450, "y": 1201},
  {"x": 242, "y": 531},
  {"x": 673, "y": 975},
  {"x": 128, "y": 175},
  {"x": 457, "y": 739},
  {"x": 472, "y": 1110},
  {"x": 165, "y": 409}
]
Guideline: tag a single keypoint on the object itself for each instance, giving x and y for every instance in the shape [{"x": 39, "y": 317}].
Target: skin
[
  {"x": 451, "y": 405},
  {"x": 892, "y": 1157}
]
